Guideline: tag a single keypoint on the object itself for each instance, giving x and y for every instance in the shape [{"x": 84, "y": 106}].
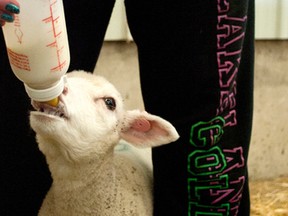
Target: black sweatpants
[{"x": 196, "y": 68}]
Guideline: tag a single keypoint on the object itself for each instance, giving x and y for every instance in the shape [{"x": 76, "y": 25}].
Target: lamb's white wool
[{"x": 78, "y": 139}]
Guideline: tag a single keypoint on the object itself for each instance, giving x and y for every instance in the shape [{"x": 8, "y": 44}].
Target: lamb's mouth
[{"x": 48, "y": 110}]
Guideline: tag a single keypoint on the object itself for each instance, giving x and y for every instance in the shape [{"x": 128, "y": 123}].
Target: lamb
[{"x": 78, "y": 138}]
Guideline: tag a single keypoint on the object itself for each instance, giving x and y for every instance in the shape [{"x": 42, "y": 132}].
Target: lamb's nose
[{"x": 65, "y": 91}]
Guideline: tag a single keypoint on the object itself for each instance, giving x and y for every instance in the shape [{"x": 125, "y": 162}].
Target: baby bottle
[{"x": 37, "y": 47}]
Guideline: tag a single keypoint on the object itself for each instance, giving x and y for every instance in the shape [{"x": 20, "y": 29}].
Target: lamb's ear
[{"x": 145, "y": 130}]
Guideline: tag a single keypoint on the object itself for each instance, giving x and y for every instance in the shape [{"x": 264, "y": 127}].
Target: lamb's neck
[
  {"x": 83, "y": 185},
  {"x": 68, "y": 172}
]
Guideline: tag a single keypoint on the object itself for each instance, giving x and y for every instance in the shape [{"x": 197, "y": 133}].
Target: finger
[
  {"x": 5, "y": 17},
  {"x": 2, "y": 23},
  {"x": 11, "y": 6}
]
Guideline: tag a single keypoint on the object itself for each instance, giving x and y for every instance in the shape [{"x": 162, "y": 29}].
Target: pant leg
[
  {"x": 25, "y": 178},
  {"x": 86, "y": 22},
  {"x": 196, "y": 68},
  {"x": 24, "y": 174}
]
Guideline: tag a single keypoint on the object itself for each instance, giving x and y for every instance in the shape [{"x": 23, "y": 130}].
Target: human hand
[{"x": 7, "y": 10}]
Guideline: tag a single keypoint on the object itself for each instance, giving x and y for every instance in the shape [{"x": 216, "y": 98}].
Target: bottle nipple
[{"x": 54, "y": 102}]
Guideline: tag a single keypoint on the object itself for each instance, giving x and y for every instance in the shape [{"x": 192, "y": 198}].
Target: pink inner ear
[{"x": 141, "y": 124}]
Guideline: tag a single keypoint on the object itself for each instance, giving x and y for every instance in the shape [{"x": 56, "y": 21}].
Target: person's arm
[{"x": 7, "y": 10}]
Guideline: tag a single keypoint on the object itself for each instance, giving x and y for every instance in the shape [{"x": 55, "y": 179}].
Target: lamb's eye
[{"x": 110, "y": 103}]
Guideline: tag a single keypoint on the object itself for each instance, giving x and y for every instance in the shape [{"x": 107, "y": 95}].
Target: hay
[{"x": 269, "y": 197}]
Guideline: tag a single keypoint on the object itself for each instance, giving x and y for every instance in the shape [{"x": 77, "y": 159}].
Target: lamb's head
[{"x": 90, "y": 120}]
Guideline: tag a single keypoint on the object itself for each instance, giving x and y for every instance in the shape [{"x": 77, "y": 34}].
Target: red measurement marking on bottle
[
  {"x": 18, "y": 32},
  {"x": 18, "y": 60},
  {"x": 59, "y": 67},
  {"x": 53, "y": 20}
]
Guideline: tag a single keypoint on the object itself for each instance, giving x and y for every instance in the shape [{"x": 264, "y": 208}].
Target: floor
[{"x": 268, "y": 163}]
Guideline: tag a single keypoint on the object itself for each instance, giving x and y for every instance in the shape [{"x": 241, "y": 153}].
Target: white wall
[
  {"x": 118, "y": 28},
  {"x": 271, "y": 21}
]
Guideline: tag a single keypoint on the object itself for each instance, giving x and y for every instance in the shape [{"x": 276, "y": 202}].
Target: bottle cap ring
[{"x": 43, "y": 95}]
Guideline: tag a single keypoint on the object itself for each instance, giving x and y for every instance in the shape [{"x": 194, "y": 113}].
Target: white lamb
[{"x": 78, "y": 139}]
